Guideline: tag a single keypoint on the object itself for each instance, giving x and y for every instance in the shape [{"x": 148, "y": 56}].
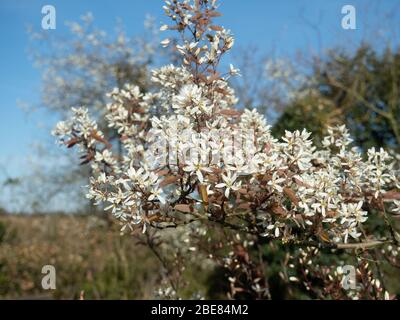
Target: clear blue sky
[{"x": 284, "y": 25}]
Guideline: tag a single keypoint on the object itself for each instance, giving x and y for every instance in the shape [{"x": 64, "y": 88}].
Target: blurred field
[
  {"x": 88, "y": 255},
  {"x": 91, "y": 256}
]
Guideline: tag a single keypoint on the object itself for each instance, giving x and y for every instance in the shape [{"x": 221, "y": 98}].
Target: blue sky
[{"x": 284, "y": 26}]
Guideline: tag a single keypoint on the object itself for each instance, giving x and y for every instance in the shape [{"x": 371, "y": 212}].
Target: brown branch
[{"x": 346, "y": 246}]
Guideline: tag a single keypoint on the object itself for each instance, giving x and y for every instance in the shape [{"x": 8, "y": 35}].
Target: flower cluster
[{"x": 221, "y": 166}]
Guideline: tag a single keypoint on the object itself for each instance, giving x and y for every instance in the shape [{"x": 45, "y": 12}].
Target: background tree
[
  {"x": 360, "y": 89},
  {"x": 77, "y": 69}
]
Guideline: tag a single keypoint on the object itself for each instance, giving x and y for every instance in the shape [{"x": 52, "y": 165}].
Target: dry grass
[{"x": 87, "y": 254}]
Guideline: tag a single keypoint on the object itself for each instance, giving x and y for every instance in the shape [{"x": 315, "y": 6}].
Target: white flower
[
  {"x": 196, "y": 165},
  {"x": 165, "y": 43},
  {"x": 352, "y": 231},
  {"x": 157, "y": 192},
  {"x": 352, "y": 212},
  {"x": 191, "y": 101},
  {"x": 275, "y": 228},
  {"x": 397, "y": 206},
  {"x": 139, "y": 176},
  {"x": 275, "y": 182},
  {"x": 233, "y": 71},
  {"x": 102, "y": 178},
  {"x": 164, "y": 27},
  {"x": 62, "y": 129},
  {"x": 229, "y": 183},
  {"x": 105, "y": 156}
]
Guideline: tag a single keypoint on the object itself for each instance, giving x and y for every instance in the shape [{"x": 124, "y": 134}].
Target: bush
[{"x": 202, "y": 184}]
